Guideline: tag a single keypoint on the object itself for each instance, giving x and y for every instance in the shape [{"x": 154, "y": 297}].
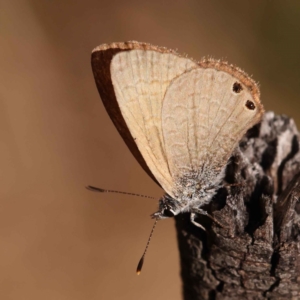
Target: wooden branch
[{"x": 256, "y": 255}]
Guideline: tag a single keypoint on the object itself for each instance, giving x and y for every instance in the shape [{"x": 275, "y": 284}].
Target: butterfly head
[{"x": 168, "y": 207}]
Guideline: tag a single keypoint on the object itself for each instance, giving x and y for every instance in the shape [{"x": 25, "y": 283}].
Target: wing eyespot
[
  {"x": 250, "y": 105},
  {"x": 237, "y": 87}
]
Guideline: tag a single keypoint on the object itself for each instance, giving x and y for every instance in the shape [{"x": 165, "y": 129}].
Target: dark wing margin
[{"x": 101, "y": 60}]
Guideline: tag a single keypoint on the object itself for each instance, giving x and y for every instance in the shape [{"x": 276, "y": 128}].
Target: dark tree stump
[{"x": 256, "y": 255}]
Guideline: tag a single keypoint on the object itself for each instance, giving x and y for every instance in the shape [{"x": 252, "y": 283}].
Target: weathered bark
[{"x": 256, "y": 255}]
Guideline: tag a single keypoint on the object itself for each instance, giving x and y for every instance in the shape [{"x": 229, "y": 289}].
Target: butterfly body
[{"x": 181, "y": 119}]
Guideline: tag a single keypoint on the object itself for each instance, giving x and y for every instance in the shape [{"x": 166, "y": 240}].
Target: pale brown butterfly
[{"x": 180, "y": 118}]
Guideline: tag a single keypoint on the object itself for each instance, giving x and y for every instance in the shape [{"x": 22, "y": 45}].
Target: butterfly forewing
[{"x": 140, "y": 79}]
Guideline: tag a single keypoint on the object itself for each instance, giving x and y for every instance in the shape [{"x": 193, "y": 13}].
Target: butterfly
[{"x": 181, "y": 119}]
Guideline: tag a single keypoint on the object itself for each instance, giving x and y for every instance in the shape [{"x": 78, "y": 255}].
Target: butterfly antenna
[
  {"x": 141, "y": 262},
  {"x": 96, "y": 189}
]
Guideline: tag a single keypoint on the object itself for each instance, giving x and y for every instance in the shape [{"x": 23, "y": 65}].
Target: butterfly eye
[
  {"x": 250, "y": 105},
  {"x": 237, "y": 87}
]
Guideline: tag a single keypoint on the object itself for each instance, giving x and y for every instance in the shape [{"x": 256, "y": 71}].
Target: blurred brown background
[{"x": 58, "y": 240}]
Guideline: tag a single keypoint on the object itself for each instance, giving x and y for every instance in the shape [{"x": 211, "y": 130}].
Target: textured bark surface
[{"x": 256, "y": 255}]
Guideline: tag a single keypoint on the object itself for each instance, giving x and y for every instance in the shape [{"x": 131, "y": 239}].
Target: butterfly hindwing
[{"x": 203, "y": 119}]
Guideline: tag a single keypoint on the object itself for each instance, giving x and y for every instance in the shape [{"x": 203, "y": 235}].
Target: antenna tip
[
  {"x": 140, "y": 265},
  {"x": 94, "y": 189}
]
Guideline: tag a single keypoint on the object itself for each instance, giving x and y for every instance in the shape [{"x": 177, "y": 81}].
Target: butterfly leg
[
  {"x": 193, "y": 216},
  {"x": 205, "y": 213}
]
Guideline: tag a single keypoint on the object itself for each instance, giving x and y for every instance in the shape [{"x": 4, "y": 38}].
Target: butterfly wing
[
  {"x": 132, "y": 79},
  {"x": 205, "y": 113},
  {"x": 176, "y": 116}
]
